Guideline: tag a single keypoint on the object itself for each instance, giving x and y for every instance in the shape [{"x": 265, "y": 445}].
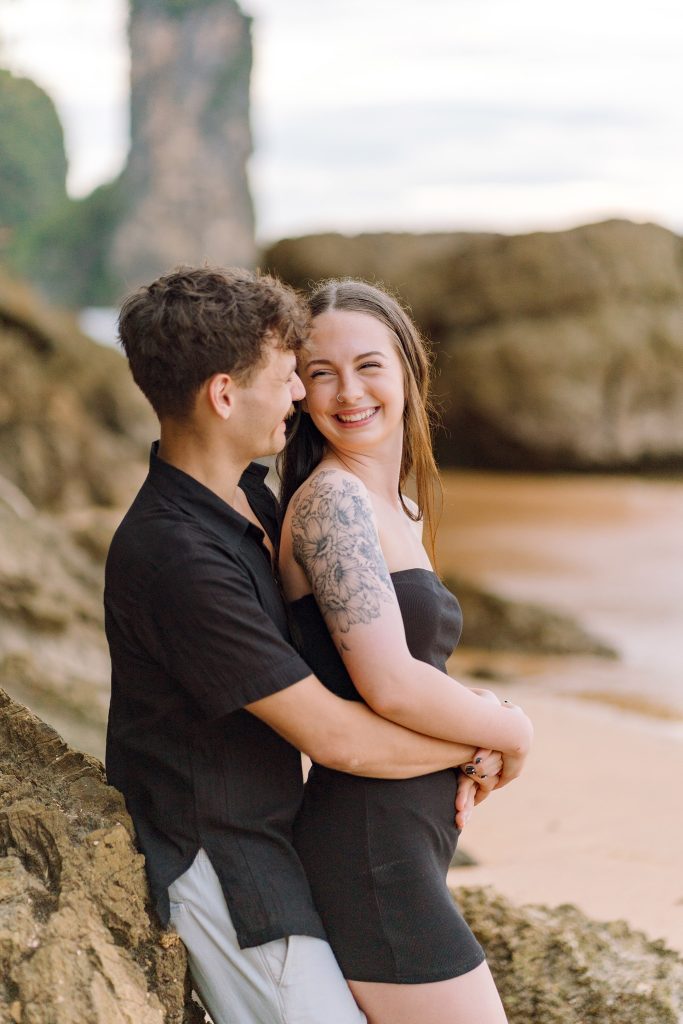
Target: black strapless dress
[{"x": 377, "y": 851}]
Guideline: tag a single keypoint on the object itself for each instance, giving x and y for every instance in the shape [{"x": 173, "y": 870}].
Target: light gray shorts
[{"x": 295, "y": 980}]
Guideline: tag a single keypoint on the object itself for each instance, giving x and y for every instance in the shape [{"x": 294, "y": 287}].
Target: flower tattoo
[{"x": 335, "y": 542}]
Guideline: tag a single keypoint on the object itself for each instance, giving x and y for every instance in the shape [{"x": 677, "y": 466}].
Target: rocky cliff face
[
  {"x": 78, "y": 943},
  {"x": 556, "y": 350},
  {"x": 187, "y": 193}
]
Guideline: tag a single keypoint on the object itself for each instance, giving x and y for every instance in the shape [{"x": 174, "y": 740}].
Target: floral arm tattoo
[{"x": 335, "y": 542}]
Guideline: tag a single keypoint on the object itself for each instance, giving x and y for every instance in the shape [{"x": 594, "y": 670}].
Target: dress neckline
[
  {"x": 393, "y": 575},
  {"x": 414, "y": 568}
]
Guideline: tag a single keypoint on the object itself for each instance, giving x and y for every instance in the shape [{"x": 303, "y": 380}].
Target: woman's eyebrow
[{"x": 328, "y": 362}]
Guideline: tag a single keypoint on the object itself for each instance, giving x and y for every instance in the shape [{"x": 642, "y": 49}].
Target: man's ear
[{"x": 220, "y": 394}]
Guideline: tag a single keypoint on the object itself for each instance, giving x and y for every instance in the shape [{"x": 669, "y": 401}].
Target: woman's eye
[
  {"x": 365, "y": 366},
  {"x": 320, "y": 373}
]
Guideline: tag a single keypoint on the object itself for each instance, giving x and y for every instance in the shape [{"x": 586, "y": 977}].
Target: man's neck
[{"x": 207, "y": 462}]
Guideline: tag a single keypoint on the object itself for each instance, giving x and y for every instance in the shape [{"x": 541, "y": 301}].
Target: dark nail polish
[
  {"x": 469, "y": 769},
  {"x": 483, "y": 776},
  {"x": 477, "y": 760}
]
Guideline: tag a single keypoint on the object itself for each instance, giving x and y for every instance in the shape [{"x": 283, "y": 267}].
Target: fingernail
[
  {"x": 477, "y": 760},
  {"x": 469, "y": 769}
]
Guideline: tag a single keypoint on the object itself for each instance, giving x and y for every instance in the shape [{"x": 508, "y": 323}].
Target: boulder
[
  {"x": 557, "y": 966},
  {"x": 555, "y": 350},
  {"x": 78, "y": 941}
]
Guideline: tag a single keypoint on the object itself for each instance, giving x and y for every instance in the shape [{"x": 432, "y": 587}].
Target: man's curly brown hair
[{"x": 197, "y": 321}]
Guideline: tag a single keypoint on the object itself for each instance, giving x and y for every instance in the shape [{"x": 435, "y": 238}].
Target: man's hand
[{"x": 464, "y": 800}]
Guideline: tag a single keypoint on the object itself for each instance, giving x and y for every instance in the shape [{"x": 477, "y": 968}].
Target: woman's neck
[{"x": 380, "y": 472}]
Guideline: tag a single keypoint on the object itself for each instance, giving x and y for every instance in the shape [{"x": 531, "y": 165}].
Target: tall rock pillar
[{"x": 187, "y": 195}]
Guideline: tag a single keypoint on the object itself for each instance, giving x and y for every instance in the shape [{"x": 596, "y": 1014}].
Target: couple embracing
[{"x": 242, "y": 633}]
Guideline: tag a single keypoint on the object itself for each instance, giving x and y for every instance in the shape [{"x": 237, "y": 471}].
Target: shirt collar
[{"x": 200, "y": 501}]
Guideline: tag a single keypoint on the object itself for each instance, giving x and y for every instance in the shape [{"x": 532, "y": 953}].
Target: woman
[{"x": 368, "y": 607}]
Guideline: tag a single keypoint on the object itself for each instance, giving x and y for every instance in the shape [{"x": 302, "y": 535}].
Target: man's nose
[{"x": 298, "y": 389}]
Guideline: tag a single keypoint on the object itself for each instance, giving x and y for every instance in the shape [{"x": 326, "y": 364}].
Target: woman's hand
[
  {"x": 507, "y": 767},
  {"x": 513, "y": 764},
  {"x": 477, "y": 779}
]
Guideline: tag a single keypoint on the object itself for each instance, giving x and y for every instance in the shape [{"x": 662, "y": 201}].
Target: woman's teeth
[{"x": 356, "y": 417}]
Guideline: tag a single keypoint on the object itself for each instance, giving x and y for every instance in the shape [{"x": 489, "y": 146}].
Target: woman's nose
[{"x": 350, "y": 390}]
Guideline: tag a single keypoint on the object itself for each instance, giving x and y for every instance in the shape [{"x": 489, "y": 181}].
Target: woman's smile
[{"x": 356, "y": 417}]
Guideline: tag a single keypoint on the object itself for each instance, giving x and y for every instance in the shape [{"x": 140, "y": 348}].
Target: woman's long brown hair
[{"x": 306, "y": 445}]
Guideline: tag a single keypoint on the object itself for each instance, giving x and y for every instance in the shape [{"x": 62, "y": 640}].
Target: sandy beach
[{"x": 596, "y": 819}]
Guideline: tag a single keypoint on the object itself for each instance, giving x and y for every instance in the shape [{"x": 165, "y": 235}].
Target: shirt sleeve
[{"x": 215, "y": 638}]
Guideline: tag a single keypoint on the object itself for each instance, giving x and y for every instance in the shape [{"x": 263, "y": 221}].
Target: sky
[{"x": 506, "y": 115}]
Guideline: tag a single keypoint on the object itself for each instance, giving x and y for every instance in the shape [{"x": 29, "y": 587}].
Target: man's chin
[{"x": 275, "y": 448}]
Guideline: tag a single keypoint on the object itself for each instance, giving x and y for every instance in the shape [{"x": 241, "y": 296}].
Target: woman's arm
[{"x": 331, "y": 527}]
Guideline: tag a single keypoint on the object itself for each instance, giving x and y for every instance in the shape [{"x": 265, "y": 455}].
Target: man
[{"x": 210, "y": 704}]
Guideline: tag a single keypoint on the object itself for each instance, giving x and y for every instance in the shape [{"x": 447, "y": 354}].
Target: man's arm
[{"x": 348, "y": 736}]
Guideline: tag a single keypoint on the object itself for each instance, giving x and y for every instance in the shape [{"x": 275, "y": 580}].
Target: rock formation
[
  {"x": 556, "y": 350},
  {"x": 187, "y": 193},
  {"x": 496, "y": 624},
  {"x": 556, "y": 966},
  {"x": 77, "y": 942},
  {"x": 183, "y": 196}
]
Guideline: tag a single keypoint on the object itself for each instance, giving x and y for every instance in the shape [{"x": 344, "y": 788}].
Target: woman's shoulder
[{"x": 327, "y": 482}]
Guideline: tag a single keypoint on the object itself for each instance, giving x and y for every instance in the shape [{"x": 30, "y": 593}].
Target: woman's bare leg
[{"x": 471, "y": 998}]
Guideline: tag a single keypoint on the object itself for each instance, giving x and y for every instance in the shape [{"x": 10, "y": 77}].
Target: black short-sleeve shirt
[{"x": 197, "y": 628}]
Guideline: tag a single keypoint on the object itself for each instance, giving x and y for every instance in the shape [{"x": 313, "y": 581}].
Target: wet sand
[{"x": 596, "y": 819}]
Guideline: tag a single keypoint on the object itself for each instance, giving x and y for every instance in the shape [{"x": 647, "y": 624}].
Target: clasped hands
[{"x": 488, "y": 770}]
